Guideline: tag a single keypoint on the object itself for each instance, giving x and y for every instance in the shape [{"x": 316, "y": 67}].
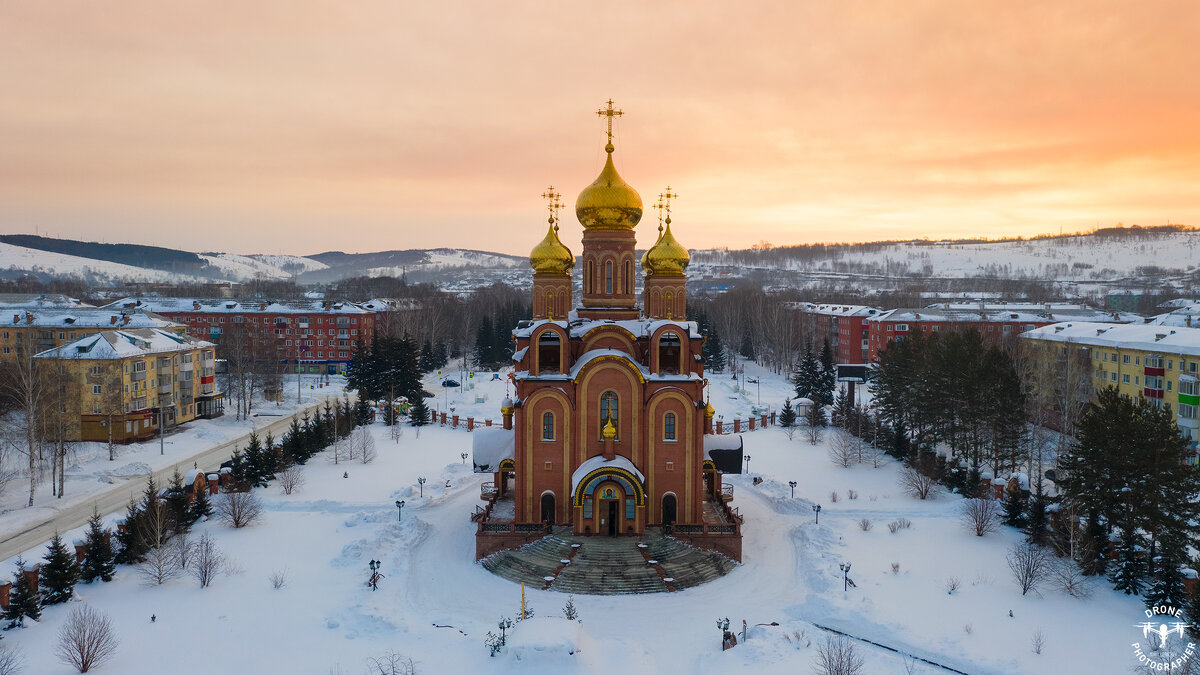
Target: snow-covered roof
[
  {"x": 37, "y": 301},
  {"x": 598, "y": 462},
  {"x": 639, "y": 328},
  {"x": 228, "y": 306},
  {"x": 490, "y": 446},
  {"x": 1145, "y": 337},
  {"x": 1186, "y": 315},
  {"x": 1021, "y": 313},
  {"x": 836, "y": 310},
  {"x": 82, "y": 317},
  {"x": 121, "y": 344},
  {"x": 725, "y": 451}
]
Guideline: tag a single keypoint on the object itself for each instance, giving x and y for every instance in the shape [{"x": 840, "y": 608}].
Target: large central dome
[{"x": 609, "y": 203}]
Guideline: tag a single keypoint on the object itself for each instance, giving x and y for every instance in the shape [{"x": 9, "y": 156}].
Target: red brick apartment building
[{"x": 845, "y": 326}]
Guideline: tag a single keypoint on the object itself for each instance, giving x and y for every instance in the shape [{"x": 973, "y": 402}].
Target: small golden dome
[
  {"x": 645, "y": 265},
  {"x": 609, "y": 432},
  {"x": 709, "y": 411},
  {"x": 609, "y": 203},
  {"x": 667, "y": 256},
  {"x": 551, "y": 256}
]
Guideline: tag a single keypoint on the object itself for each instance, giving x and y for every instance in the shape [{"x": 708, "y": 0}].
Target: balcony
[
  {"x": 164, "y": 388},
  {"x": 139, "y": 404},
  {"x": 138, "y": 376},
  {"x": 186, "y": 367},
  {"x": 208, "y": 390}
]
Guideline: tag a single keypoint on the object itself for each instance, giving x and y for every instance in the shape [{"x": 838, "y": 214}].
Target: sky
[{"x": 296, "y": 126}]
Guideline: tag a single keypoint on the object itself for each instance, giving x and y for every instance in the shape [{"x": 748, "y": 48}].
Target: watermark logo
[{"x": 1167, "y": 646}]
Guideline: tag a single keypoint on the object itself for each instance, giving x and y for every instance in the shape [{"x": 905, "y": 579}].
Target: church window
[
  {"x": 608, "y": 409},
  {"x": 587, "y": 278},
  {"x": 628, "y": 277},
  {"x": 669, "y": 351},
  {"x": 548, "y": 426},
  {"x": 669, "y": 427},
  {"x": 549, "y": 353},
  {"x": 608, "y": 281}
]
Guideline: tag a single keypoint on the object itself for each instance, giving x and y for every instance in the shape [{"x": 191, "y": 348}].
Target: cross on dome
[
  {"x": 553, "y": 204},
  {"x": 610, "y": 114}
]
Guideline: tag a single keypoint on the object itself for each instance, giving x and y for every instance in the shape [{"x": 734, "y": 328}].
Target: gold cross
[
  {"x": 609, "y": 113},
  {"x": 553, "y": 204},
  {"x": 665, "y": 199},
  {"x": 659, "y": 206}
]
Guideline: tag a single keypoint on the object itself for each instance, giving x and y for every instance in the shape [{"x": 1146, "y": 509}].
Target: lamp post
[
  {"x": 845, "y": 568},
  {"x": 723, "y": 625},
  {"x": 464, "y": 457},
  {"x": 747, "y": 463},
  {"x": 421, "y": 482},
  {"x": 505, "y": 624},
  {"x": 817, "y": 510},
  {"x": 400, "y": 510},
  {"x": 792, "y": 484},
  {"x": 374, "y": 581}
]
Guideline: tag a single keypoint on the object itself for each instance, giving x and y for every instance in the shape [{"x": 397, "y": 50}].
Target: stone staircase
[{"x": 609, "y": 565}]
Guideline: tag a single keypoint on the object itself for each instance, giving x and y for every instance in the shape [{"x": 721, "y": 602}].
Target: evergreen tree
[
  {"x": 747, "y": 348},
  {"x": 1014, "y": 508},
  {"x": 787, "y": 416},
  {"x": 427, "y": 360},
  {"x": 254, "y": 462},
  {"x": 1093, "y": 560},
  {"x": 1037, "y": 529},
  {"x": 201, "y": 507},
  {"x": 1128, "y": 571},
  {"x": 177, "y": 503},
  {"x": 292, "y": 445},
  {"x": 714, "y": 352},
  {"x": 390, "y": 418},
  {"x": 362, "y": 412},
  {"x": 807, "y": 378},
  {"x": 418, "y": 414},
  {"x": 130, "y": 548},
  {"x": 60, "y": 573},
  {"x": 239, "y": 469},
  {"x": 98, "y": 560},
  {"x": 24, "y": 600},
  {"x": 843, "y": 411},
  {"x": 1167, "y": 585},
  {"x": 441, "y": 355},
  {"x": 816, "y": 416},
  {"x": 828, "y": 378},
  {"x": 485, "y": 343},
  {"x": 360, "y": 370}
]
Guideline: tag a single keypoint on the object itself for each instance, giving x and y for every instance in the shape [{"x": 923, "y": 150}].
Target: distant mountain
[
  {"x": 419, "y": 264},
  {"x": 136, "y": 255}
]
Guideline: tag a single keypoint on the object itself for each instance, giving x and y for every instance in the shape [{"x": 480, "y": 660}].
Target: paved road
[{"x": 117, "y": 497}]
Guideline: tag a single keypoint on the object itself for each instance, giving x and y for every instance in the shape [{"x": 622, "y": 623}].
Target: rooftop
[
  {"x": 228, "y": 306},
  {"x": 121, "y": 344},
  {"x": 1131, "y": 336}
]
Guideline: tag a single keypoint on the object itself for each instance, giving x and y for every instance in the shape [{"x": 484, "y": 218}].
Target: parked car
[{"x": 449, "y": 383}]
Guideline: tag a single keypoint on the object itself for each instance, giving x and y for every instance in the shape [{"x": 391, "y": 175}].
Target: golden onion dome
[
  {"x": 667, "y": 256},
  {"x": 609, "y": 432},
  {"x": 550, "y": 256},
  {"x": 609, "y": 203},
  {"x": 709, "y": 411},
  {"x": 645, "y": 265}
]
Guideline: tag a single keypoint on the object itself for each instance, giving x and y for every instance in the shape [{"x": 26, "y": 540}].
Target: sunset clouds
[{"x": 309, "y": 126}]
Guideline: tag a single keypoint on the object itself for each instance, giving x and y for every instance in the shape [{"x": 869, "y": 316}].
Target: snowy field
[{"x": 435, "y": 604}]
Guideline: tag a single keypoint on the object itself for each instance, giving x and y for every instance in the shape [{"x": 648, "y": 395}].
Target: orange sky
[{"x": 299, "y": 127}]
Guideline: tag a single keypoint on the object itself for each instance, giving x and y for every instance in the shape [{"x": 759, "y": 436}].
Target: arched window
[
  {"x": 549, "y": 353},
  {"x": 668, "y": 426},
  {"x": 669, "y": 352},
  {"x": 668, "y": 305},
  {"x": 608, "y": 409},
  {"x": 549, "y": 309},
  {"x": 608, "y": 281},
  {"x": 548, "y": 426},
  {"x": 587, "y": 278},
  {"x": 628, "y": 276}
]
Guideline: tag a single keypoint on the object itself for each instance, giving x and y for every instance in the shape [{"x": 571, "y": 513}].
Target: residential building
[
  {"x": 310, "y": 336},
  {"x": 38, "y": 328},
  {"x": 844, "y": 326},
  {"x": 128, "y": 382}
]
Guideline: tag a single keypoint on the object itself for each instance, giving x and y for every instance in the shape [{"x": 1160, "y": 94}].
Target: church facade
[{"x": 608, "y": 431}]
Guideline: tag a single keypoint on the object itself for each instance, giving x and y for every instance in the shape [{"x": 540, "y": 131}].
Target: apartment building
[
  {"x": 128, "y": 382},
  {"x": 844, "y": 326},
  {"x": 38, "y": 327}
]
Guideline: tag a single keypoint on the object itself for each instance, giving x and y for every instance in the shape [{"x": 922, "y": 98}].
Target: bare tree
[
  {"x": 238, "y": 509},
  {"x": 207, "y": 560},
  {"x": 1066, "y": 571},
  {"x": 28, "y": 384},
  {"x": 86, "y": 639},
  {"x": 279, "y": 578},
  {"x": 391, "y": 663},
  {"x": 841, "y": 450},
  {"x": 836, "y": 656},
  {"x": 291, "y": 478},
  {"x": 916, "y": 483},
  {"x": 1029, "y": 566},
  {"x": 980, "y": 515},
  {"x": 162, "y": 561},
  {"x": 11, "y": 661},
  {"x": 364, "y": 444}
]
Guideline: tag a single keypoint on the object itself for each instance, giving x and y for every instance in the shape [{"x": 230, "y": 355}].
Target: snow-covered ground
[
  {"x": 33, "y": 260},
  {"x": 436, "y": 605}
]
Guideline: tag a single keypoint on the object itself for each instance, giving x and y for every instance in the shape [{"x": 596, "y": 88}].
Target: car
[{"x": 449, "y": 383}]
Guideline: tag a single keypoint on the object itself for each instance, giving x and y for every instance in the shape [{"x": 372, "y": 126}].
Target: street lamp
[
  {"x": 747, "y": 463},
  {"x": 792, "y": 484},
  {"x": 723, "y": 624},
  {"x": 464, "y": 457},
  {"x": 817, "y": 510},
  {"x": 374, "y": 581},
  {"x": 845, "y": 568},
  {"x": 421, "y": 481},
  {"x": 400, "y": 510}
]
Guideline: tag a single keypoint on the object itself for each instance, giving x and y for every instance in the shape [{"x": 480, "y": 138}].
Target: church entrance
[
  {"x": 611, "y": 510},
  {"x": 668, "y": 509},
  {"x": 548, "y": 508}
]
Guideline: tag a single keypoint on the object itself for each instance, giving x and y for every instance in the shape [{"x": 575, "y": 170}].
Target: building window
[
  {"x": 901, "y": 327},
  {"x": 628, "y": 277},
  {"x": 608, "y": 410},
  {"x": 1112, "y": 377},
  {"x": 548, "y": 426},
  {"x": 608, "y": 281},
  {"x": 670, "y": 352},
  {"x": 95, "y": 390},
  {"x": 1187, "y": 411},
  {"x": 1125, "y": 378},
  {"x": 669, "y": 427}
]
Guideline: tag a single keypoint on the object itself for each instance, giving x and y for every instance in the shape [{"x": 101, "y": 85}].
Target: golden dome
[
  {"x": 551, "y": 256},
  {"x": 709, "y": 411},
  {"x": 645, "y": 265},
  {"x": 609, "y": 432},
  {"x": 609, "y": 203},
  {"x": 667, "y": 256}
]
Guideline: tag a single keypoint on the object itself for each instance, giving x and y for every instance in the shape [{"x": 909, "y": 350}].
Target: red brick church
[{"x": 608, "y": 430}]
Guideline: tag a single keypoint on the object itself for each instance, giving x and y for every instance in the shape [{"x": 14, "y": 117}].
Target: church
[{"x": 607, "y": 430}]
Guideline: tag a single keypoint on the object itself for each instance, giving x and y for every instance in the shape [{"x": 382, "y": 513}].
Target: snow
[
  {"x": 435, "y": 604},
  {"x": 599, "y": 462},
  {"x": 490, "y": 446},
  {"x": 62, "y": 264}
]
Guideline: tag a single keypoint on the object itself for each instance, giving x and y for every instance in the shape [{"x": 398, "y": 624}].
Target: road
[{"x": 117, "y": 497}]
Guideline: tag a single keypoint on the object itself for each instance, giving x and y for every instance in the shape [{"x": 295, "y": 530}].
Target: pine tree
[
  {"x": 239, "y": 469},
  {"x": 177, "y": 503},
  {"x": 418, "y": 414},
  {"x": 569, "y": 611},
  {"x": 60, "y": 573},
  {"x": 362, "y": 412},
  {"x": 787, "y": 416},
  {"x": 201, "y": 508},
  {"x": 130, "y": 548},
  {"x": 806, "y": 380},
  {"x": 255, "y": 471},
  {"x": 484, "y": 348},
  {"x": 1037, "y": 529},
  {"x": 714, "y": 352},
  {"x": 828, "y": 379},
  {"x": 1128, "y": 570},
  {"x": 1167, "y": 585},
  {"x": 816, "y": 416},
  {"x": 1014, "y": 508},
  {"x": 843, "y": 411},
  {"x": 23, "y": 600},
  {"x": 427, "y": 361},
  {"x": 98, "y": 560},
  {"x": 747, "y": 348}
]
